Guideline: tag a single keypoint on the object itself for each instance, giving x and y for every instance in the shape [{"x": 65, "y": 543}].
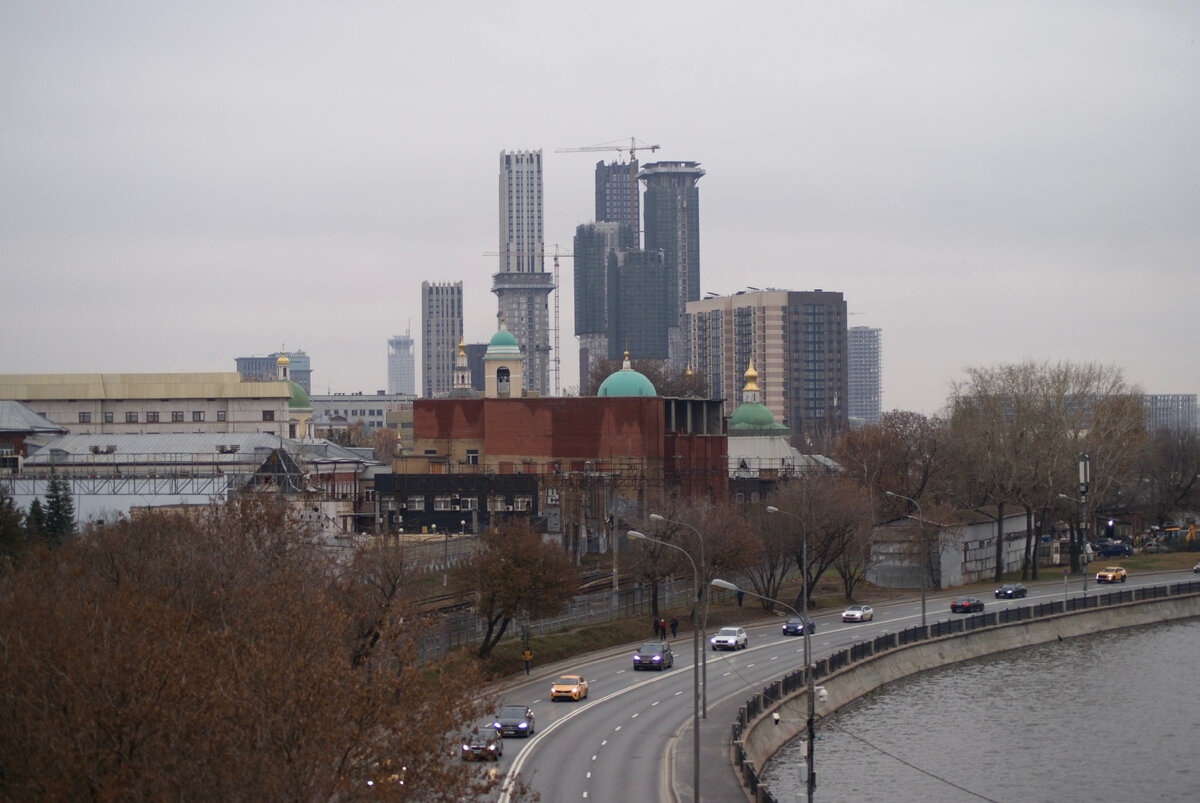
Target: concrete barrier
[{"x": 762, "y": 737}]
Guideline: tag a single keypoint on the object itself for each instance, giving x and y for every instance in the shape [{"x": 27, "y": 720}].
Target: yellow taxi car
[
  {"x": 569, "y": 687},
  {"x": 1111, "y": 574}
]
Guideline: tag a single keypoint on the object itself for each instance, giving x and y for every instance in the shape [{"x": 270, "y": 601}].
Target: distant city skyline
[{"x": 985, "y": 183}]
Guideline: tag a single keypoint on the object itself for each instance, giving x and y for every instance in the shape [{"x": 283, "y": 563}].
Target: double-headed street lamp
[
  {"x": 920, "y": 544},
  {"x": 704, "y": 622},
  {"x": 809, "y": 678},
  {"x": 695, "y": 659}
]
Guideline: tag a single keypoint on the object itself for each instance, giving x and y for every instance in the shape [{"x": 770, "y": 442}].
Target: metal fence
[
  {"x": 460, "y": 627},
  {"x": 794, "y": 681}
]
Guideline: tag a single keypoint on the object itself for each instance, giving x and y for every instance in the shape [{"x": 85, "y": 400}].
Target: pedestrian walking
[
  {"x": 527, "y": 657},
  {"x": 657, "y": 632},
  {"x": 662, "y": 627},
  {"x": 674, "y": 626}
]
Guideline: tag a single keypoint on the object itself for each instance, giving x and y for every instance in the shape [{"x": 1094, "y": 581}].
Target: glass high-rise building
[
  {"x": 617, "y": 198},
  {"x": 441, "y": 332},
  {"x": 863, "y": 374},
  {"x": 401, "y": 365},
  {"x": 522, "y": 284},
  {"x": 671, "y": 207}
]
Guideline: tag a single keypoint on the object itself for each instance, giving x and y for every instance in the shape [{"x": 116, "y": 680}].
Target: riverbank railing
[{"x": 793, "y": 682}]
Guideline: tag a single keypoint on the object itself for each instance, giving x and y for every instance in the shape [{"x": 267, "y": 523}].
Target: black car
[
  {"x": 796, "y": 625},
  {"x": 1116, "y": 550},
  {"x": 965, "y": 605},
  {"x": 486, "y": 746},
  {"x": 1010, "y": 591},
  {"x": 514, "y": 720},
  {"x": 654, "y": 655}
]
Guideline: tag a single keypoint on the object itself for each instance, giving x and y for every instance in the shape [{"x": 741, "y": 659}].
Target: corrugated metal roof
[{"x": 16, "y": 417}]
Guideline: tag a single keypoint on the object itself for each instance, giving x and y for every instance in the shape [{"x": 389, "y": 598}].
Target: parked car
[
  {"x": 1011, "y": 591},
  {"x": 1116, "y": 550},
  {"x": 654, "y": 655},
  {"x": 514, "y": 720},
  {"x": 1196, "y": 568},
  {"x": 730, "y": 638},
  {"x": 796, "y": 626},
  {"x": 965, "y": 605},
  {"x": 1154, "y": 548},
  {"x": 858, "y": 613},
  {"x": 569, "y": 687},
  {"x": 485, "y": 746},
  {"x": 1111, "y": 574}
]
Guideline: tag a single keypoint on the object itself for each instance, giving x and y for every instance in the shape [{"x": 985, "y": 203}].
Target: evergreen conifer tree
[
  {"x": 60, "y": 509},
  {"x": 12, "y": 526},
  {"x": 35, "y": 521}
]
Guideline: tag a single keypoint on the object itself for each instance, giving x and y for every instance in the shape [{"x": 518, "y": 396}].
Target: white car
[
  {"x": 858, "y": 613},
  {"x": 729, "y": 638}
]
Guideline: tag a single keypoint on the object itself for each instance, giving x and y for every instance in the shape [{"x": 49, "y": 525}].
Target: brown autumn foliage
[
  {"x": 516, "y": 573},
  {"x": 223, "y": 656}
]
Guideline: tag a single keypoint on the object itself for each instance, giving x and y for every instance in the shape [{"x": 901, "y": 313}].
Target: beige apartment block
[
  {"x": 153, "y": 403},
  {"x": 797, "y": 341}
]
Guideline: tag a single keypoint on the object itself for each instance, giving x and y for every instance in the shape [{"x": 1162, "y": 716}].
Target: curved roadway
[{"x": 632, "y": 737}]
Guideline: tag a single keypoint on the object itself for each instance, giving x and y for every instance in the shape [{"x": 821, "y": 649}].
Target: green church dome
[
  {"x": 627, "y": 382},
  {"x": 503, "y": 338},
  {"x": 299, "y": 400},
  {"x": 753, "y": 418}
]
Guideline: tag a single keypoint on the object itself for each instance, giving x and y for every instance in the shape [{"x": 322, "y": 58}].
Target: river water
[{"x": 1109, "y": 717}]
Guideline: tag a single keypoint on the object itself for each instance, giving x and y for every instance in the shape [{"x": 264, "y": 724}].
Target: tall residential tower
[
  {"x": 797, "y": 341},
  {"x": 672, "y": 224},
  {"x": 442, "y": 330},
  {"x": 401, "y": 365},
  {"x": 522, "y": 284},
  {"x": 863, "y": 374}
]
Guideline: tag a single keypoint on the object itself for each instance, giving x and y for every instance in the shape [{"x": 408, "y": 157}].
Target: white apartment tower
[
  {"x": 442, "y": 330},
  {"x": 863, "y": 374},
  {"x": 401, "y": 365},
  {"x": 522, "y": 284}
]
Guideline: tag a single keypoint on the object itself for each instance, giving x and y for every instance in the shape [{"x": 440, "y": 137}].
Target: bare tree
[{"x": 515, "y": 573}]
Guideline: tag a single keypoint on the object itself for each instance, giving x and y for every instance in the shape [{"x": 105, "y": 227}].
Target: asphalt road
[{"x": 632, "y": 737}]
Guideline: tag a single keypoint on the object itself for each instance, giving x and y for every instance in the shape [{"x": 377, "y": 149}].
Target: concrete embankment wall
[{"x": 762, "y": 738}]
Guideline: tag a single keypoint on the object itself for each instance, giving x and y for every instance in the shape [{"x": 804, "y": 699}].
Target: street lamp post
[
  {"x": 704, "y": 622},
  {"x": 809, "y": 678},
  {"x": 1083, "y": 545},
  {"x": 921, "y": 544},
  {"x": 634, "y": 534},
  {"x": 808, "y": 669}
]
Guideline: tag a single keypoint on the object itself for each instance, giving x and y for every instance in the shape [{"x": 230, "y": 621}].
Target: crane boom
[{"x": 632, "y": 148}]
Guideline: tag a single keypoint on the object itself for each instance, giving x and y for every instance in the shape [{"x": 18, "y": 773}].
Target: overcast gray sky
[{"x": 181, "y": 184}]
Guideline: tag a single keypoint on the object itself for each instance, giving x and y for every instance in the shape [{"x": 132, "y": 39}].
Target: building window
[
  {"x": 85, "y": 418},
  {"x": 268, "y": 415},
  {"x": 131, "y": 418},
  {"x": 197, "y": 415},
  {"x": 108, "y": 417},
  {"x": 176, "y": 416},
  {"x": 416, "y": 503},
  {"x": 220, "y": 415},
  {"x": 443, "y": 503},
  {"x": 152, "y": 418},
  {"x": 522, "y": 503},
  {"x": 472, "y": 457},
  {"x": 468, "y": 503}
]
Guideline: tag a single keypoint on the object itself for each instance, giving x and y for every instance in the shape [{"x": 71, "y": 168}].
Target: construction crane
[
  {"x": 632, "y": 148},
  {"x": 554, "y": 362}
]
